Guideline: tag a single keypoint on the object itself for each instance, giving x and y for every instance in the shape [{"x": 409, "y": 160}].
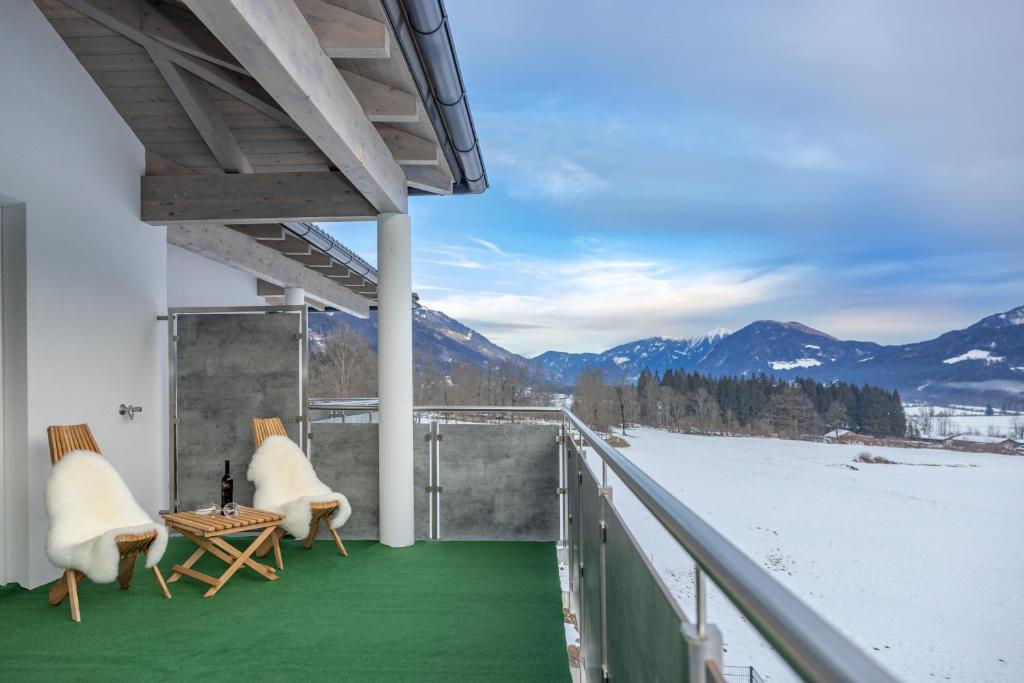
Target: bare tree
[
  {"x": 591, "y": 400},
  {"x": 705, "y": 410},
  {"x": 344, "y": 367},
  {"x": 835, "y": 416},
  {"x": 625, "y": 396},
  {"x": 792, "y": 414}
]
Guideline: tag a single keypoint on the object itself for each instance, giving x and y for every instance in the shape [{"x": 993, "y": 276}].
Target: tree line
[
  {"x": 344, "y": 366},
  {"x": 737, "y": 405}
]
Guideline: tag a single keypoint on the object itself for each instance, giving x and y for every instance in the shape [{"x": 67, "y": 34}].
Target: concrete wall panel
[
  {"x": 500, "y": 482},
  {"x": 345, "y": 457},
  {"x": 231, "y": 368}
]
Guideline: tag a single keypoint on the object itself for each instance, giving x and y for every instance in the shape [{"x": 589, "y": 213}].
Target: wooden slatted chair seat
[
  {"x": 64, "y": 439},
  {"x": 264, "y": 427}
]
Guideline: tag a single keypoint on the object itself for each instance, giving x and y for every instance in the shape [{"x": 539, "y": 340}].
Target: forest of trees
[
  {"x": 345, "y": 367},
  {"x": 737, "y": 405}
]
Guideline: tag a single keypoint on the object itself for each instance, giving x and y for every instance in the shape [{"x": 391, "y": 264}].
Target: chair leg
[
  {"x": 337, "y": 542},
  {"x": 72, "y": 581},
  {"x": 276, "y": 540},
  {"x": 311, "y": 536},
  {"x": 59, "y": 589},
  {"x": 161, "y": 584},
  {"x": 127, "y": 570}
]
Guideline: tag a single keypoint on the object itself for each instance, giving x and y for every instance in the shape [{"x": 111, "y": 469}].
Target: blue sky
[{"x": 858, "y": 167}]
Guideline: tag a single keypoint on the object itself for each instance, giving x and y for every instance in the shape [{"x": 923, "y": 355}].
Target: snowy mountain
[
  {"x": 444, "y": 339},
  {"x": 979, "y": 364},
  {"x": 629, "y": 359},
  {"x": 982, "y": 363}
]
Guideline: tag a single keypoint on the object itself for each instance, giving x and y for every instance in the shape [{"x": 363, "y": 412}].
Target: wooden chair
[
  {"x": 63, "y": 440},
  {"x": 263, "y": 427}
]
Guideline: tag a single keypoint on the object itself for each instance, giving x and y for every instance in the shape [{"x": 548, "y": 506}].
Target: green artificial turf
[{"x": 441, "y": 611}]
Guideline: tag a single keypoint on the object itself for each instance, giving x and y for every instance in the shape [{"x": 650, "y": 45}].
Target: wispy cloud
[
  {"x": 592, "y": 301},
  {"x": 550, "y": 178}
]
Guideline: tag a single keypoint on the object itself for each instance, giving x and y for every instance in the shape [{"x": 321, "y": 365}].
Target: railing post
[
  {"x": 704, "y": 641},
  {"x": 605, "y": 493},
  {"x": 434, "y": 488},
  {"x": 563, "y": 458}
]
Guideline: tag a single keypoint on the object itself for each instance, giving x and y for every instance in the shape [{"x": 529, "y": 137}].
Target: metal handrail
[{"x": 814, "y": 648}]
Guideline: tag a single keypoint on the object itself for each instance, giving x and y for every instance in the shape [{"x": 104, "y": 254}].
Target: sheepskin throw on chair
[
  {"x": 286, "y": 483},
  {"x": 89, "y": 507}
]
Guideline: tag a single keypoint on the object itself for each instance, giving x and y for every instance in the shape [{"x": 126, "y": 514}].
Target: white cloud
[
  {"x": 594, "y": 301},
  {"x": 554, "y": 178}
]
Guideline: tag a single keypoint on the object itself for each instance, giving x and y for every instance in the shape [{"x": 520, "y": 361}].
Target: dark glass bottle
[{"x": 227, "y": 485}]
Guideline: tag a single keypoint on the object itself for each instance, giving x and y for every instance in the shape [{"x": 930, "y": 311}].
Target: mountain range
[{"x": 981, "y": 363}]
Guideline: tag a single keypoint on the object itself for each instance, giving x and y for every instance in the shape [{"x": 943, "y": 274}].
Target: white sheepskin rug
[
  {"x": 89, "y": 505},
  {"x": 286, "y": 483}
]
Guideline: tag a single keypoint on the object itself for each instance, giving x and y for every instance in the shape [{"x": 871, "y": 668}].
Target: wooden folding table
[{"x": 207, "y": 531}]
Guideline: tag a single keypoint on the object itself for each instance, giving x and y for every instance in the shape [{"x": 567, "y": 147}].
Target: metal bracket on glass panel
[{"x": 701, "y": 650}]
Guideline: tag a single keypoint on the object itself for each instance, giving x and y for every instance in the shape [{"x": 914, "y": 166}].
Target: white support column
[
  {"x": 395, "y": 378},
  {"x": 294, "y": 296}
]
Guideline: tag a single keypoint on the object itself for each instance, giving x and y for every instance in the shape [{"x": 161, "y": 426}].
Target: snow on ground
[
  {"x": 923, "y": 567},
  {"x": 793, "y": 364},
  {"x": 975, "y": 354},
  {"x": 953, "y": 421}
]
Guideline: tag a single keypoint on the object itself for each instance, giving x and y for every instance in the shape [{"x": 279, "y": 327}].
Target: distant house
[
  {"x": 845, "y": 436},
  {"x": 982, "y": 444}
]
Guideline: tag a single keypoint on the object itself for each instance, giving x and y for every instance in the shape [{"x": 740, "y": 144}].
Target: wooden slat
[
  {"x": 80, "y": 28},
  {"x": 296, "y": 168},
  {"x": 269, "y": 133},
  {"x": 103, "y": 45},
  {"x": 130, "y": 62},
  {"x": 137, "y": 78},
  {"x": 66, "y": 438},
  {"x": 262, "y": 427}
]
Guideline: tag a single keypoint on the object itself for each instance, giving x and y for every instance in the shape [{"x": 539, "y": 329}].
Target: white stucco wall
[
  {"x": 95, "y": 275},
  {"x": 193, "y": 280}
]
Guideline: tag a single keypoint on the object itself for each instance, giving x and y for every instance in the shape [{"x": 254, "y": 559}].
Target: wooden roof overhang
[{"x": 260, "y": 116}]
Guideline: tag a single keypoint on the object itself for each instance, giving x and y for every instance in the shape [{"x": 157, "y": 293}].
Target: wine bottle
[{"x": 227, "y": 485}]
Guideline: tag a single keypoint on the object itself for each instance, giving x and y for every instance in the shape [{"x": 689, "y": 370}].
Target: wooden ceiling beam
[
  {"x": 195, "y": 100},
  {"x": 408, "y": 149},
  {"x": 125, "y": 17},
  {"x": 264, "y": 232},
  {"x": 344, "y": 34},
  {"x": 275, "y": 43},
  {"x": 428, "y": 178},
  {"x": 178, "y": 30},
  {"x": 252, "y": 198},
  {"x": 381, "y": 102},
  {"x": 234, "y": 249}
]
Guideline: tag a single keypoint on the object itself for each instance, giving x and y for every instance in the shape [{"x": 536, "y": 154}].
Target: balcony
[{"x": 522, "y": 490}]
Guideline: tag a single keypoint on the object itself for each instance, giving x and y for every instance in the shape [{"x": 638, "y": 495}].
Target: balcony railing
[{"x": 630, "y": 625}]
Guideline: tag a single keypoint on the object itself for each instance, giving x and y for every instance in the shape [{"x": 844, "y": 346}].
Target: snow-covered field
[
  {"x": 943, "y": 421},
  {"x": 922, "y": 566}
]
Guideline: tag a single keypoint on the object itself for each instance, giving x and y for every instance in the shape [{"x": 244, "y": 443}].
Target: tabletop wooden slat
[{"x": 203, "y": 525}]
